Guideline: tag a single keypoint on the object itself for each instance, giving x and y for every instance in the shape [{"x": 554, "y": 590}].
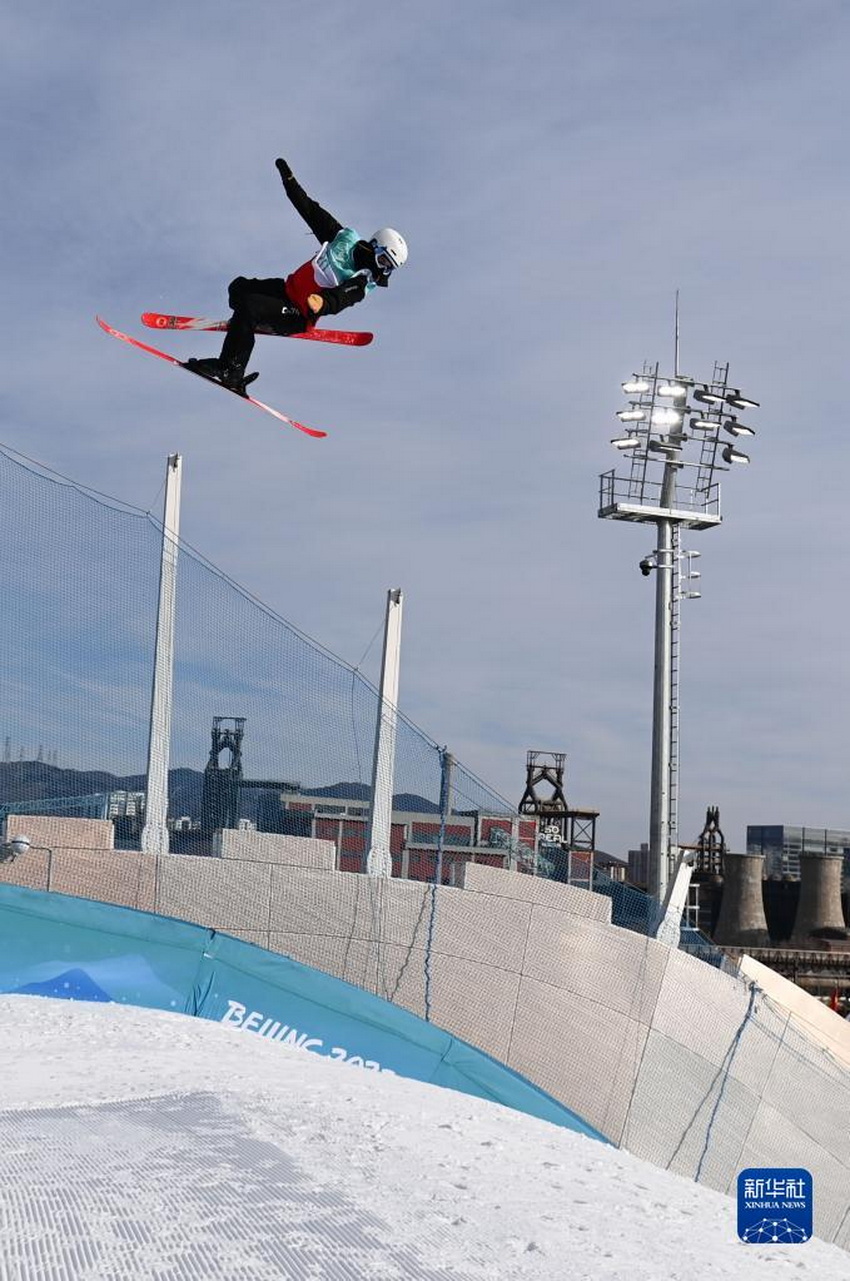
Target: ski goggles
[{"x": 383, "y": 261}]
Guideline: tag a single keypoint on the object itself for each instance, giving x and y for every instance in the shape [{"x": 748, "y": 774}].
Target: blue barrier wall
[{"x": 55, "y": 945}]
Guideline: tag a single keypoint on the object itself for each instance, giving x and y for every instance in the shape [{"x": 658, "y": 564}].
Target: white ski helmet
[{"x": 389, "y": 242}]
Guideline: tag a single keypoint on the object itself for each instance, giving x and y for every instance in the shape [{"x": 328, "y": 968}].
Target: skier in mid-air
[{"x": 344, "y": 270}]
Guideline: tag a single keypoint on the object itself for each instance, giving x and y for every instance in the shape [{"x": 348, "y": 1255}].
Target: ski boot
[
  {"x": 234, "y": 378},
  {"x": 208, "y": 367}
]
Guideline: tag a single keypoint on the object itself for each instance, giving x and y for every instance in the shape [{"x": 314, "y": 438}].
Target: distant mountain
[
  {"x": 335, "y": 791},
  {"x": 36, "y": 781},
  {"x": 405, "y": 801},
  {"x": 22, "y": 781},
  {"x": 410, "y": 803}
]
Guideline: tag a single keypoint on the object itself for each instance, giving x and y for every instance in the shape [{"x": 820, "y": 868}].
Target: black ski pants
[{"x": 257, "y": 304}]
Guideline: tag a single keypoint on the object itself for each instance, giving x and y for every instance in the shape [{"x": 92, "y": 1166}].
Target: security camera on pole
[
  {"x": 10, "y": 850},
  {"x": 673, "y": 440}
]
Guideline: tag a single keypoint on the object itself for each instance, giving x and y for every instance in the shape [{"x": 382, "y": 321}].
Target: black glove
[
  {"x": 283, "y": 169},
  {"x": 338, "y": 297}
]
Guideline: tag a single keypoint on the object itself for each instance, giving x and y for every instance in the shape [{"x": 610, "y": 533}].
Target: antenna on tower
[{"x": 676, "y": 353}]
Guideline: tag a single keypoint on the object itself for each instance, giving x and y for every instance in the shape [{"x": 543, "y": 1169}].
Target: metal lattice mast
[
  {"x": 675, "y": 611},
  {"x": 675, "y": 620},
  {"x": 663, "y": 415}
]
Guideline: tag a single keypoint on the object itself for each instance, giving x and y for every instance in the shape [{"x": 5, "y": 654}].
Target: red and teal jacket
[{"x": 333, "y": 271}]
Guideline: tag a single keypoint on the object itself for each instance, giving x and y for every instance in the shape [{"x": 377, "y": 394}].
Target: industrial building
[{"x": 781, "y": 846}]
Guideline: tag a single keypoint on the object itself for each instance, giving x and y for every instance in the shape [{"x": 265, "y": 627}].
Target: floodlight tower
[{"x": 672, "y": 437}]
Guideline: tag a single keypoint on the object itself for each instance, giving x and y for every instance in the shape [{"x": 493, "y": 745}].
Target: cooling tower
[
  {"x": 819, "y": 908},
  {"x": 742, "y": 922}
]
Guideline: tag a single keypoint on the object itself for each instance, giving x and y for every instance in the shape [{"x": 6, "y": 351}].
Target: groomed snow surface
[{"x": 135, "y": 1143}]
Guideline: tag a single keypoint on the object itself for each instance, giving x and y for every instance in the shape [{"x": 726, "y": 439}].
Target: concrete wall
[
  {"x": 264, "y": 847},
  {"x": 655, "y": 1048},
  {"x": 815, "y": 1020},
  {"x": 62, "y": 833}
]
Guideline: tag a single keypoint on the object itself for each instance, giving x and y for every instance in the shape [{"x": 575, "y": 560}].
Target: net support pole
[
  {"x": 446, "y": 767},
  {"x": 155, "y": 830},
  {"x": 378, "y": 857},
  {"x": 668, "y": 930}
]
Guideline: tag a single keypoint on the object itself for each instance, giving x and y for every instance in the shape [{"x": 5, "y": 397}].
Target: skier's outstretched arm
[
  {"x": 322, "y": 224},
  {"x": 330, "y": 302}
]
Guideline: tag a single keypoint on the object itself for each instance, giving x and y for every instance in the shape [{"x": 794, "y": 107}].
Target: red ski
[
  {"x": 172, "y": 360},
  {"x": 345, "y": 337}
]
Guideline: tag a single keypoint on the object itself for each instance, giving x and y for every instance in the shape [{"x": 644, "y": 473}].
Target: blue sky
[{"x": 559, "y": 171}]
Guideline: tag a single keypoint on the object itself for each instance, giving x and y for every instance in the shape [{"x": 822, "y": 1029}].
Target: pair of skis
[{"x": 159, "y": 320}]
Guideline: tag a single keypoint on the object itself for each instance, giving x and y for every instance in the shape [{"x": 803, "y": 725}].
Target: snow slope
[{"x": 136, "y": 1143}]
